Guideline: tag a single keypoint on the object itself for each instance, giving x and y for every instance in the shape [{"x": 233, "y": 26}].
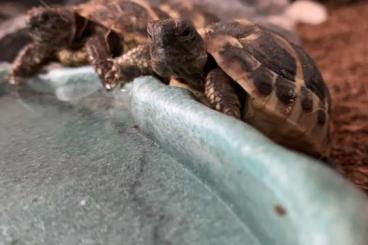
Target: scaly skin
[
  {"x": 132, "y": 64},
  {"x": 221, "y": 94},
  {"x": 72, "y": 58}
]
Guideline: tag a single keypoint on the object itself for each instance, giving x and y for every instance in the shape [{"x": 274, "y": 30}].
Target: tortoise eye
[
  {"x": 45, "y": 17},
  {"x": 185, "y": 33}
]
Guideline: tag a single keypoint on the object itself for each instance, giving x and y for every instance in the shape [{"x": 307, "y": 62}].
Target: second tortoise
[{"x": 251, "y": 73}]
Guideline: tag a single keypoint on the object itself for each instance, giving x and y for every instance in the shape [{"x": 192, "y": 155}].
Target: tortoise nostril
[{"x": 185, "y": 33}]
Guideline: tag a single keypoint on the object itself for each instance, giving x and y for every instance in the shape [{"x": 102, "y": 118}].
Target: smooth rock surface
[{"x": 79, "y": 171}]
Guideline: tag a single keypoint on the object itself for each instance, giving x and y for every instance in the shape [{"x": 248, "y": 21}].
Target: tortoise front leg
[
  {"x": 130, "y": 65},
  {"x": 99, "y": 57},
  {"x": 221, "y": 94},
  {"x": 29, "y": 61}
]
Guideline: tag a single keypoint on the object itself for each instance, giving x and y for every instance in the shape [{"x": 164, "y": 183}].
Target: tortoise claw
[
  {"x": 112, "y": 78},
  {"x": 15, "y": 80},
  {"x": 110, "y": 86}
]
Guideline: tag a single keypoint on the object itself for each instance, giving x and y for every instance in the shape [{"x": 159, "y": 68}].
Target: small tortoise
[
  {"x": 92, "y": 33},
  {"x": 251, "y": 73}
]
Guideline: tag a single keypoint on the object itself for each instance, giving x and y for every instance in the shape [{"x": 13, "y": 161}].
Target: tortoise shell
[
  {"x": 288, "y": 99},
  {"x": 199, "y": 16},
  {"x": 127, "y": 18}
]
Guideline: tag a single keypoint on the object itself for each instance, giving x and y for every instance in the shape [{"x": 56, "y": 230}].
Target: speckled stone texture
[
  {"x": 283, "y": 197},
  {"x": 79, "y": 171}
]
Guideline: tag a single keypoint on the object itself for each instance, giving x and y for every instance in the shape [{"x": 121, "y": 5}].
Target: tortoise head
[
  {"x": 177, "y": 50},
  {"x": 55, "y": 26}
]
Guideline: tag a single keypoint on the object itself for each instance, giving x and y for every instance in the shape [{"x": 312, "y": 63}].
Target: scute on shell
[{"x": 128, "y": 18}]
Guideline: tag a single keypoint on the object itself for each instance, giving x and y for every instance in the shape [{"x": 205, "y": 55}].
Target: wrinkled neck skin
[{"x": 191, "y": 70}]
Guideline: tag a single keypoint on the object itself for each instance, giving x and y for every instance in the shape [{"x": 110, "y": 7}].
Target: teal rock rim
[
  {"x": 284, "y": 197},
  {"x": 281, "y": 196}
]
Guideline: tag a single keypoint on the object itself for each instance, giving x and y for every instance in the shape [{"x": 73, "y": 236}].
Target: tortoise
[
  {"x": 249, "y": 72},
  {"x": 93, "y": 33}
]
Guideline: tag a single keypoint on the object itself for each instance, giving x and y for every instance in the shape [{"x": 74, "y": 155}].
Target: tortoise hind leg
[
  {"x": 29, "y": 61},
  {"x": 221, "y": 94}
]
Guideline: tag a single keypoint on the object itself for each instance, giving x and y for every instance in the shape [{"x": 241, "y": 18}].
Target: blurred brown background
[{"x": 340, "y": 48}]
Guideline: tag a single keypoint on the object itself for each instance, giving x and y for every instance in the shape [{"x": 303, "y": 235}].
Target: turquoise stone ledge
[{"x": 282, "y": 197}]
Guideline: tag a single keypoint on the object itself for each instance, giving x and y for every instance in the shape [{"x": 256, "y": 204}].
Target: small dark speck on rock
[
  {"x": 280, "y": 210},
  {"x": 135, "y": 126},
  {"x": 14, "y": 242}
]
